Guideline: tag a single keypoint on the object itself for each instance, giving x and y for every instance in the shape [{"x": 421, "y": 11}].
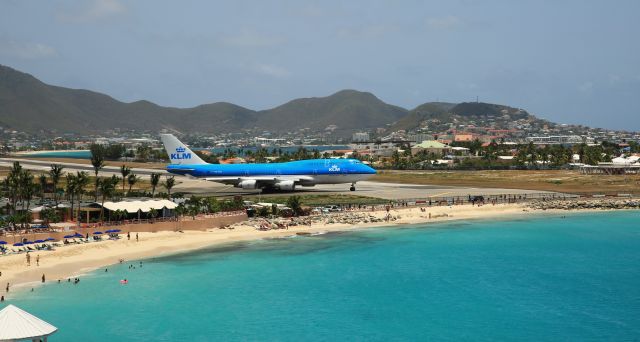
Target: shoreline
[{"x": 78, "y": 259}]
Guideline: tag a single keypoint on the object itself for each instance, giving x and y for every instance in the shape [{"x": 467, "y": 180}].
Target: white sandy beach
[{"x": 71, "y": 260}]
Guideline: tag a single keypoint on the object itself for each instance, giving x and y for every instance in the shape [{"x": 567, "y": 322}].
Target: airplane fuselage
[{"x": 303, "y": 172}]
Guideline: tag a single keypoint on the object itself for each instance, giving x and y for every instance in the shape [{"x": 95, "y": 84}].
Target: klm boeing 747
[{"x": 276, "y": 176}]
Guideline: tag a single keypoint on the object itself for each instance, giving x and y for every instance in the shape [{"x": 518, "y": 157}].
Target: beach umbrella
[
  {"x": 18, "y": 244},
  {"x": 69, "y": 236},
  {"x": 28, "y": 242},
  {"x": 109, "y": 231},
  {"x": 39, "y": 241},
  {"x": 3, "y": 242},
  {"x": 97, "y": 233},
  {"x": 116, "y": 230},
  {"x": 77, "y": 235},
  {"x": 50, "y": 239}
]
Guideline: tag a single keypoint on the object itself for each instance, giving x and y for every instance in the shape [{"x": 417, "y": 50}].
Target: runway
[{"x": 389, "y": 191}]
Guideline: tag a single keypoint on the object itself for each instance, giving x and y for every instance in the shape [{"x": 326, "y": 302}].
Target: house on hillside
[{"x": 432, "y": 147}]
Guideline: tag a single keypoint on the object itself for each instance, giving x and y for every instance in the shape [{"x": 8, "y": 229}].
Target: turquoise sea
[
  {"x": 79, "y": 154},
  {"x": 548, "y": 278}
]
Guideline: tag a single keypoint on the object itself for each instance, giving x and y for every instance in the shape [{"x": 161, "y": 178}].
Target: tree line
[
  {"x": 527, "y": 156},
  {"x": 22, "y": 188}
]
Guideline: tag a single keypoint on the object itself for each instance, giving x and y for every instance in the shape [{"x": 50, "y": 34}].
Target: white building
[{"x": 360, "y": 136}]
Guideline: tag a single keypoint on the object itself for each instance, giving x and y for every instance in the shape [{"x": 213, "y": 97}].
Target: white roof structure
[
  {"x": 626, "y": 161},
  {"x": 144, "y": 206},
  {"x": 17, "y": 324}
]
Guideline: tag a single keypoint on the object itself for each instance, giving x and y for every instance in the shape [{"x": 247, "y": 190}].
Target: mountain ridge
[{"x": 28, "y": 104}]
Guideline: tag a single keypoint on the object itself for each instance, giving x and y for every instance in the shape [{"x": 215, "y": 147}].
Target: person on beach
[
  {"x": 7, "y": 287},
  {"x": 28, "y": 259},
  {"x": 136, "y": 237},
  {"x": 38, "y": 260},
  {"x": 1, "y": 299},
  {"x": 43, "y": 278},
  {"x": 128, "y": 235}
]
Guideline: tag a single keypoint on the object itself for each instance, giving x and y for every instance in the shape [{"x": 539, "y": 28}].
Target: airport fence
[{"x": 480, "y": 198}]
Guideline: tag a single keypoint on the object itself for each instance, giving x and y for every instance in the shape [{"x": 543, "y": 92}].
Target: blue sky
[{"x": 567, "y": 61}]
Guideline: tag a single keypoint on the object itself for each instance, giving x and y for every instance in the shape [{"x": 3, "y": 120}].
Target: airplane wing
[
  {"x": 261, "y": 181},
  {"x": 258, "y": 178}
]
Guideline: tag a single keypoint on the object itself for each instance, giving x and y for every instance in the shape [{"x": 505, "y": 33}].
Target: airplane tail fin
[{"x": 179, "y": 153}]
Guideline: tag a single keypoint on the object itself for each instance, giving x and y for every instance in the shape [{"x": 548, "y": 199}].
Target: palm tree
[
  {"x": 28, "y": 189},
  {"x": 107, "y": 188},
  {"x": 97, "y": 161},
  {"x": 293, "y": 202},
  {"x": 82, "y": 179},
  {"x": 180, "y": 210},
  {"x": 155, "y": 179},
  {"x": 532, "y": 155},
  {"x": 13, "y": 185},
  {"x": 72, "y": 184},
  {"x": 132, "y": 179},
  {"x": 169, "y": 183},
  {"x": 153, "y": 213},
  {"x": 43, "y": 185},
  {"x": 55, "y": 173},
  {"x": 124, "y": 171},
  {"x": 212, "y": 205},
  {"x": 194, "y": 205},
  {"x": 118, "y": 214}
]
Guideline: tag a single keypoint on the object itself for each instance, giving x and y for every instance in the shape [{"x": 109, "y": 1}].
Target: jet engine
[
  {"x": 285, "y": 185},
  {"x": 247, "y": 184}
]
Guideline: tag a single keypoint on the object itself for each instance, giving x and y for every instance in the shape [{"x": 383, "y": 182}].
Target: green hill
[
  {"x": 426, "y": 111},
  {"x": 27, "y": 104},
  {"x": 347, "y": 109},
  {"x": 481, "y": 109}
]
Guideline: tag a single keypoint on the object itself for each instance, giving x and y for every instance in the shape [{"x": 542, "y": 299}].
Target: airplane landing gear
[{"x": 353, "y": 187}]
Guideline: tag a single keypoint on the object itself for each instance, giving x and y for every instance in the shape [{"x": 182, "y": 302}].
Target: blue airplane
[{"x": 273, "y": 176}]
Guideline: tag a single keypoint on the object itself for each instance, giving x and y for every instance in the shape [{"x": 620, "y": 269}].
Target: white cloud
[
  {"x": 614, "y": 79},
  {"x": 448, "y": 22},
  {"x": 370, "y": 31},
  {"x": 272, "y": 70},
  {"x": 95, "y": 11},
  {"x": 10, "y": 48},
  {"x": 248, "y": 38},
  {"x": 586, "y": 87},
  {"x": 468, "y": 85}
]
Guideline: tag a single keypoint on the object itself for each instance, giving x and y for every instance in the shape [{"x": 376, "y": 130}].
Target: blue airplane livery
[{"x": 273, "y": 176}]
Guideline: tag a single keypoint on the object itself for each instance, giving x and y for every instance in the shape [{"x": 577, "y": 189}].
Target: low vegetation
[{"x": 546, "y": 180}]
